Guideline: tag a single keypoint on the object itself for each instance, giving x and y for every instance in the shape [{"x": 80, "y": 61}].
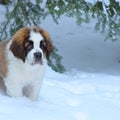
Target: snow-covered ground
[
  {"x": 75, "y": 96},
  {"x": 89, "y": 90}
]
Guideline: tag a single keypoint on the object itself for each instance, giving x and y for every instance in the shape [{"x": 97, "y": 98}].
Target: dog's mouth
[{"x": 37, "y": 62}]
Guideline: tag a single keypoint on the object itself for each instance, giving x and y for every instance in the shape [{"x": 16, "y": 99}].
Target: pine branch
[{"x": 10, "y": 16}]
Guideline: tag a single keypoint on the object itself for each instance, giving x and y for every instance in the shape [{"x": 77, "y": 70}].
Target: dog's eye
[
  {"x": 29, "y": 46},
  {"x": 42, "y": 44}
]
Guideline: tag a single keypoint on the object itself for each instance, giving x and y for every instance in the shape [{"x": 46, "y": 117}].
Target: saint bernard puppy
[{"x": 23, "y": 61}]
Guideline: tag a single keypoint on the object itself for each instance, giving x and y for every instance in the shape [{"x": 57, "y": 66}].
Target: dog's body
[{"x": 23, "y": 61}]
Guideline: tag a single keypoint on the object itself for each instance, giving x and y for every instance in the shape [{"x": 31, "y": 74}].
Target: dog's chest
[{"x": 24, "y": 74}]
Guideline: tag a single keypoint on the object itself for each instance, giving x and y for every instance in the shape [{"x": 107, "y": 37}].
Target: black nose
[{"x": 38, "y": 55}]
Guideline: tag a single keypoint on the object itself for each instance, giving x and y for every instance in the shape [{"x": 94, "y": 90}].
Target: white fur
[
  {"x": 36, "y": 38},
  {"x": 22, "y": 78}
]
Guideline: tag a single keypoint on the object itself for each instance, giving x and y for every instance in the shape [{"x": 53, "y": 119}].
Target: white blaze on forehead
[{"x": 36, "y": 37}]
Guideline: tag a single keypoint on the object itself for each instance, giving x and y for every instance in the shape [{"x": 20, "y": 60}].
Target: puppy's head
[{"x": 32, "y": 45}]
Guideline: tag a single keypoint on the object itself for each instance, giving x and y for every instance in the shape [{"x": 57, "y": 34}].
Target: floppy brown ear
[
  {"x": 49, "y": 47},
  {"x": 18, "y": 41},
  {"x": 18, "y": 50}
]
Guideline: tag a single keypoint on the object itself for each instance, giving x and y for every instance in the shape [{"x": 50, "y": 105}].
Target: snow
[
  {"x": 76, "y": 96},
  {"x": 2, "y": 10},
  {"x": 90, "y": 88},
  {"x": 82, "y": 47},
  {"x": 107, "y": 2},
  {"x": 56, "y": 8}
]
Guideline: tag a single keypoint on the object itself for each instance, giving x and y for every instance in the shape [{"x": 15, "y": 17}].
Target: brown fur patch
[
  {"x": 18, "y": 42},
  {"x": 3, "y": 63}
]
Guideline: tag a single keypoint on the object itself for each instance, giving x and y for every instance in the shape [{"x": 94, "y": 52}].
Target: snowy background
[{"x": 89, "y": 90}]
